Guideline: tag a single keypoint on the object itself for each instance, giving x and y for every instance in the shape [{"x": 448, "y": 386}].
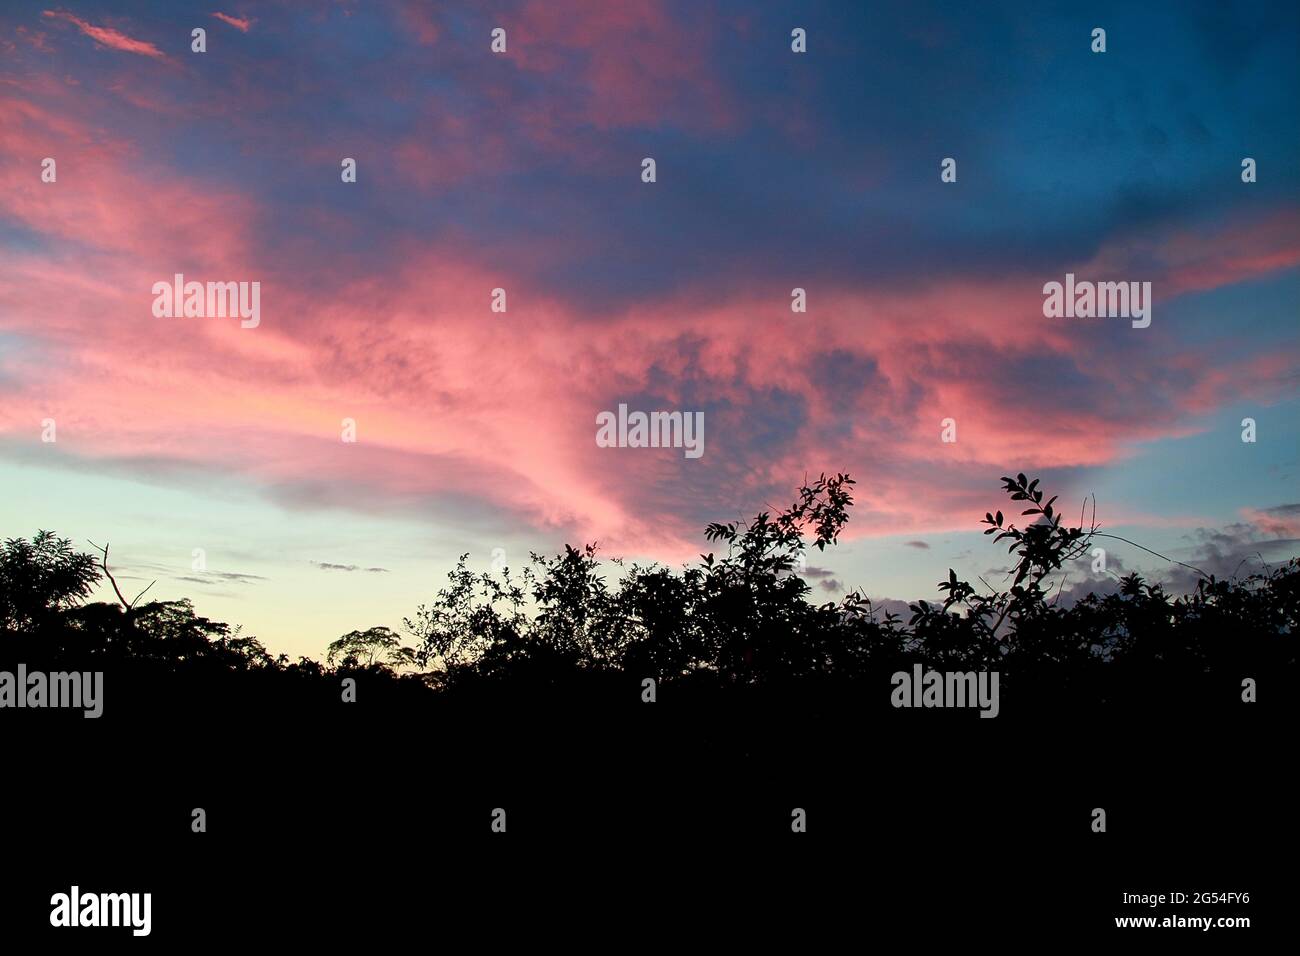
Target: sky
[{"x": 522, "y": 170}]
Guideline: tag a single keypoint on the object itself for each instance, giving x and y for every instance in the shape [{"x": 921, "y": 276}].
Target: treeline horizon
[{"x": 738, "y": 622}]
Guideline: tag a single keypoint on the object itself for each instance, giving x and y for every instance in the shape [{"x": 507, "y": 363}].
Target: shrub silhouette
[
  {"x": 743, "y": 618},
  {"x": 736, "y": 622}
]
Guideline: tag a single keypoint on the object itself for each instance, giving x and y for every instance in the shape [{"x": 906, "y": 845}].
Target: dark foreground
[{"x": 648, "y": 824}]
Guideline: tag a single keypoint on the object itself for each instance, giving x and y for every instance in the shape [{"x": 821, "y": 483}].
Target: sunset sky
[{"x": 522, "y": 170}]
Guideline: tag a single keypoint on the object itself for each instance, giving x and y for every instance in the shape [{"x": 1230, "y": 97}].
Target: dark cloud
[
  {"x": 842, "y": 377},
  {"x": 326, "y": 566},
  {"x": 1235, "y": 550},
  {"x": 883, "y": 606},
  {"x": 921, "y": 545},
  {"x": 1073, "y": 593},
  {"x": 1232, "y": 551},
  {"x": 207, "y": 577}
]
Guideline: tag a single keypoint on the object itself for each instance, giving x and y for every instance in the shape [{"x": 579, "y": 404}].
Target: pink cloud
[
  {"x": 236, "y": 22},
  {"x": 454, "y": 402},
  {"x": 106, "y": 196},
  {"x": 1196, "y": 260},
  {"x": 625, "y": 64},
  {"x": 37, "y": 39},
  {"x": 446, "y": 395},
  {"x": 109, "y": 37},
  {"x": 1281, "y": 522}
]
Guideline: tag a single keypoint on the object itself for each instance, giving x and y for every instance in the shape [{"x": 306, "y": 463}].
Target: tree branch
[{"x": 112, "y": 580}]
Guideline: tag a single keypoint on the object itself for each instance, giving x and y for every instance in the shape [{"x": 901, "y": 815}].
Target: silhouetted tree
[
  {"x": 737, "y": 621},
  {"x": 374, "y": 647},
  {"x": 41, "y": 578}
]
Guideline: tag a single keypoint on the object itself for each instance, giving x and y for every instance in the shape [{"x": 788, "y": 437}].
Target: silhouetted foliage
[
  {"x": 374, "y": 647},
  {"x": 39, "y": 579},
  {"x": 738, "y": 620}
]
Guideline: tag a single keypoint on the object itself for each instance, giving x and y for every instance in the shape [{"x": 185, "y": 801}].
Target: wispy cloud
[
  {"x": 236, "y": 22},
  {"x": 109, "y": 37},
  {"x": 35, "y": 37},
  {"x": 208, "y": 577},
  {"x": 326, "y": 566}
]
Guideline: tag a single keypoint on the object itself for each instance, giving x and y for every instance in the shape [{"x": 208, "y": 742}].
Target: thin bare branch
[
  {"x": 113, "y": 581},
  {"x": 142, "y": 593},
  {"x": 1156, "y": 553}
]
